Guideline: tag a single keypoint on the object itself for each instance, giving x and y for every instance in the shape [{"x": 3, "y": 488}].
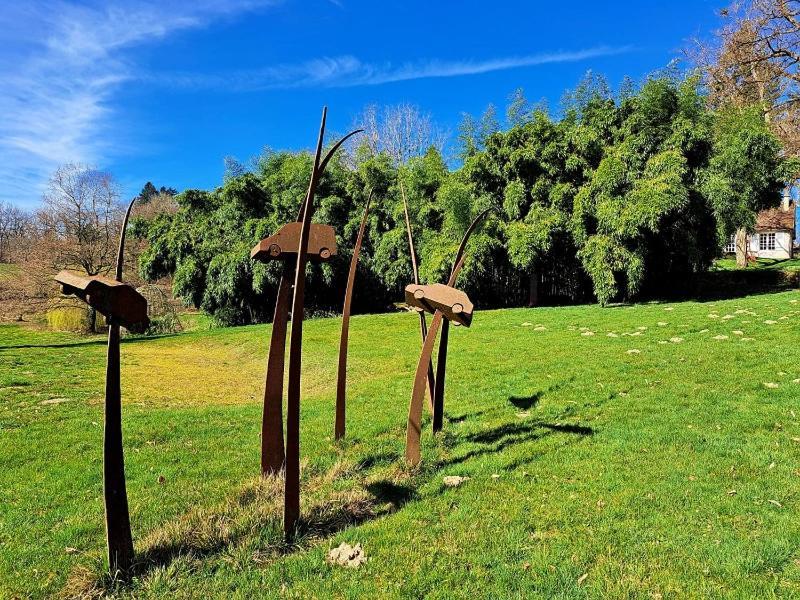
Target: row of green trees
[{"x": 620, "y": 196}]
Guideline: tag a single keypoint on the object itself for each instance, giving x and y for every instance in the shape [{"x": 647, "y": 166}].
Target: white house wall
[{"x": 783, "y": 245}]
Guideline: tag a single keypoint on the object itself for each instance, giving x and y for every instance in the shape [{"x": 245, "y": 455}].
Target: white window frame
[
  {"x": 730, "y": 248},
  {"x": 766, "y": 241}
]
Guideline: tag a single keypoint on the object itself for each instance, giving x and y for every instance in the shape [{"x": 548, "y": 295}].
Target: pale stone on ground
[
  {"x": 347, "y": 556},
  {"x": 453, "y": 480}
]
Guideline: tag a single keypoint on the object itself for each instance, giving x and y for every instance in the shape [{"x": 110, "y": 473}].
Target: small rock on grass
[
  {"x": 453, "y": 480},
  {"x": 347, "y": 556}
]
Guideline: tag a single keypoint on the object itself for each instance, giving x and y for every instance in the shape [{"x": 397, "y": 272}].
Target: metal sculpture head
[
  {"x": 119, "y": 302},
  {"x": 454, "y": 304},
  {"x": 283, "y": 245}
]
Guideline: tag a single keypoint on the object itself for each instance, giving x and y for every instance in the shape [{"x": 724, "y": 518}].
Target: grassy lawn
[
  {"x": 769, "y": 264},
  {"x": 642, "y": 451}
]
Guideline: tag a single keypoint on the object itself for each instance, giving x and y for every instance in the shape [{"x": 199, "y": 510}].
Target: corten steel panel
[
  {"x": 272, "y": 449},
  {"x": 117, "y": 301},
  {"x": 283, "y": 244},
  {"x": 341, "y": 381},
  {"x": 454, "y": 304}
]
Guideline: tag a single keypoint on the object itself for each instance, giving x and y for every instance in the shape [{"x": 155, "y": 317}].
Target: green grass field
[
  {"x": 635, "y": 451},
  {"x": 769, "y": 264}
]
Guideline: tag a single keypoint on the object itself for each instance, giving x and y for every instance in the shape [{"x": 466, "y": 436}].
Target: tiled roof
[{"x": 775, "y": 219}]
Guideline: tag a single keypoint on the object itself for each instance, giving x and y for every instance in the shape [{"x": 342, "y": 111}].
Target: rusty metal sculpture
[
  {"x": 298, "y": 242},
  {"x": 446, "y": 303},
  {"x": 123, "y": 306},
  {"x": 423, "y": 325},
  {"x": 341, "y": 382}
]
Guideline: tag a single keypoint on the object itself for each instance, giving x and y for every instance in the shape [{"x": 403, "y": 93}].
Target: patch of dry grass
[{"x": 248, "y": 527}]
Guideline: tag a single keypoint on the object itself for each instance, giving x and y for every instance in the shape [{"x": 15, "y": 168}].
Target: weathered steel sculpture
[
  {"x": 297, "y": 243},
  {"x": 446, "y": 303},
  {"x": 423, "y": 325},
  {"x": 283, "y": 246},
  {"x": 441, "y": 357},
  {"x": 123, "y": 306},
  {"x": 341, "y": 382}
]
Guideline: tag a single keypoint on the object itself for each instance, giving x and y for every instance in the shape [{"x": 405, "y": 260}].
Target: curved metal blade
[
  {"x": 341, "y": 382},
  {"x": 414, "y": 430},
  {"x": 121, "y": 249},
  {"x": 334, "y": 148},
  {"x": 423, "y": 325},
  {"x": 272, "y": 450},
  {"x": 291, "y": 506}
]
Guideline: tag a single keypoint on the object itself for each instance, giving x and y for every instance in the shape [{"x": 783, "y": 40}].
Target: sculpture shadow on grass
[
  {"x": 499, "y": 438},
  {"x": 526, "y": 402},
  {"x": 393, "y": 494}
]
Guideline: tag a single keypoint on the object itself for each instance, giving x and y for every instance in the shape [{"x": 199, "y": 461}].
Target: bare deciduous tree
[
  {"x": 14, "y": 223},
  {"x": 402, "y": 131},
  {"x": 82, "y": 216}
]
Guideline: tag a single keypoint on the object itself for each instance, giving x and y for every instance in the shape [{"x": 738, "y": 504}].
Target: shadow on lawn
[
  {"x": 45, "y": 346},
  {"x": 501, "y": 437},
  {"x": 526, "y": 402}
]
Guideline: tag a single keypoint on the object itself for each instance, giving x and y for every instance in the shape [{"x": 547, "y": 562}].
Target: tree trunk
[
  {"x": 741, "y": 247},
  {"x": 533, "y": 290},
  {"x": 92, "y": 320}
]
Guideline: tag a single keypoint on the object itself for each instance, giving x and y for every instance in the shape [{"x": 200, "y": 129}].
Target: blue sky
[{"x": 163, "y": 91}]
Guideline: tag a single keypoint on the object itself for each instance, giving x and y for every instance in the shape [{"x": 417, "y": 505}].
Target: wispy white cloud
[
  {"x": 349, "y": 71},
  {"x": 61, "y": 64}
]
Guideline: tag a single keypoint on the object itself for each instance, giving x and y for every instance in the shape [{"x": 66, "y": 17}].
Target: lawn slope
[{"x": 628, "y": 451}]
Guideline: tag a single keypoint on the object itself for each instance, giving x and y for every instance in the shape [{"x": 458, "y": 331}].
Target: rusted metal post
[
  {"x": 341, "y": 382},
  {"x": 414, "y": 428},
  {"x": 115, "y": 493},
  {"x": 423, "y": 325},
  {"x": 122, "y": 306},
  {"x": 441, "y": 364},
  {"x": 291, "y": 508}
]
